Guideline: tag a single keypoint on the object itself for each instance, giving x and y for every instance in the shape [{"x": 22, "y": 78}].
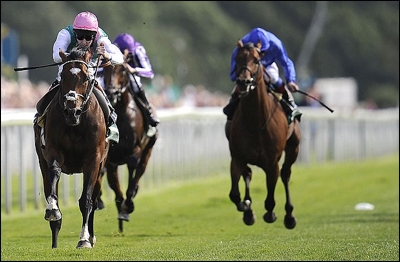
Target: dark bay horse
[
  {"x": 259, "y": 134},
  {"x": 135, "y": 146},
  {"x": 72, "y": 140}
]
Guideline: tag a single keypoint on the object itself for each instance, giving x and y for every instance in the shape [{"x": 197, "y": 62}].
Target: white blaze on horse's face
[{"x": 75, "y": 70}]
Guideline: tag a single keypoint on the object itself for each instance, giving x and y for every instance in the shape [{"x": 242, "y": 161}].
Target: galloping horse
[
  {"x": 258, "y": 135},
  {"x": 135, "y": 146},
  {"x": 73, "y": 140}
]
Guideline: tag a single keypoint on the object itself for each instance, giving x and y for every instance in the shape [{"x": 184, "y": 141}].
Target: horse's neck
[
  {"x": 123, "y": 101},
  {"x": 255, "y": 106}
]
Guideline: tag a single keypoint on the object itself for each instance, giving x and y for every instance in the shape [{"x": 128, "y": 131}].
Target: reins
[{"x": 90, "y": 89}]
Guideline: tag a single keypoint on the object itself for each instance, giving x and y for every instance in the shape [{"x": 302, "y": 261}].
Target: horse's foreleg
[
  {"x": 290, "y": 157},
  {"x": 100, "y": 203},
  {"x": 55, "y": 227},
  {"x": 238, "y": 170},
  {"x": 133, "y": 187},
  {"x": 95, "y": 197},
  {"x": 290, "y": 220},
  {"x": 52, "y": 213},
  {"x": 234, "y": 194},
  {"x": 272, "y": 173},
  {"x": 113, "y": 182},
  {"x": 137, "y": 166},
  {"x": 91, "y": 187},
  {"x": 86, "y": 207},
  {"x": 127, "y": 206},
  {"x": 248, "y": 216}
]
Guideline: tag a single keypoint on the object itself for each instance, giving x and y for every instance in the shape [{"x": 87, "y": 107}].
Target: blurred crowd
[{"x": 161, "y": 92}]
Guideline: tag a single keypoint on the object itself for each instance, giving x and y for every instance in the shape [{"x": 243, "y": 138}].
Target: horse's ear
[
  {"x": 240, "y": 43},
  {"x": 62, "y": 55},
  {"x": 259, "y": 45}
]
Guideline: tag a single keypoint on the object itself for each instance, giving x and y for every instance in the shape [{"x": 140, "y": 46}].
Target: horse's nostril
[{"x": 249, "y": 81}]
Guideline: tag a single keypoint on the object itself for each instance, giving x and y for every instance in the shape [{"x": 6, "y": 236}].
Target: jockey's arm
[
  {"x": 109, "y": 51},
  {"x": 62, "y": 42}
]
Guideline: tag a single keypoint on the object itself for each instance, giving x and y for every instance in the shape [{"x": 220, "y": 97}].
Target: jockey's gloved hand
[{"x": 293, "y": 87}]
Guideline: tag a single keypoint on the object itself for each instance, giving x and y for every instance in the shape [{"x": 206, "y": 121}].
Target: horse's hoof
[
  {"x": 84, "y": 244},
  {"x": 289, "y": 221},
  {"x": 244, "y": 206},
  {"x": 92, "y": 240},
  {"x": 123, "y": 216},
  {"x": 269, "y": 217},
  {"x": 52, "y": 215},
  {"x": 100, "y": 205},
  {"x": 128, "y": 206},
  {"x": 249, "y": 217}
]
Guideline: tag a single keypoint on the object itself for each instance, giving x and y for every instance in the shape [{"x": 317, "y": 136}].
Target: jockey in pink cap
[
  {"x": 138, "y": 65},
  {"x": 86, "y": 31}
]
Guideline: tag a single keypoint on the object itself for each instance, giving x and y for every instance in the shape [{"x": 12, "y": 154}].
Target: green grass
[{"x": 197, "y": 221}]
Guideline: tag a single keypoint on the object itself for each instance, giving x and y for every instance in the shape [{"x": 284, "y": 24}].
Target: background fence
[{"x": 192, "y": 144}]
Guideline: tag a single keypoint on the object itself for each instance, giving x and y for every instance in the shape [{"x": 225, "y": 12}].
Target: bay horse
[
  {"x": 258, "y": 134},
  {"x": 72, "y": 140},
  {"x": 135, "y": 145}
]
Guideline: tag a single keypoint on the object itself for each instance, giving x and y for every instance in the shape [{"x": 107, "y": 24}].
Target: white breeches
[{"x": 273, "y": 72}]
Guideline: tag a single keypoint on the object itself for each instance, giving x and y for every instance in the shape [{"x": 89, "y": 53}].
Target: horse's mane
[{"x": 79, "y": 51}]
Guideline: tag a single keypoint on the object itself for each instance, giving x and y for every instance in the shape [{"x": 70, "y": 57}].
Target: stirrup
[
  {"x": 113, "y": 133},
  {"x": 296, "y": 113},
  {"x": 39, "y": 119},
  {"x": 151, "y": 131},
  {"x": 153, "y": 121}
]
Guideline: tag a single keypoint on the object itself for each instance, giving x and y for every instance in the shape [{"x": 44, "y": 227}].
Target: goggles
[{"x": 86, "y": 37}]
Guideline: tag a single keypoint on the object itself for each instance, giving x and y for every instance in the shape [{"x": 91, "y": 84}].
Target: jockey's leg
[
  {"x": 111, "y": 122},
  {"x": 45, "y": 100},
  {"x": 272, "y": 72},
  {"x": 152, "y": 119},
  {"x": 140, "y": 94},
  {"x": 229, "y": 109},
  {"x": 288, "y": 97},
  {"x": 112, "y": 119}
]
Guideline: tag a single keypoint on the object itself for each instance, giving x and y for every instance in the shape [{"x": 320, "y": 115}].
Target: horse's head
[
  {"x": 75, "y": 85},
  {"x": 118, "y": 83},
  {"x": 248, "y": 66}
]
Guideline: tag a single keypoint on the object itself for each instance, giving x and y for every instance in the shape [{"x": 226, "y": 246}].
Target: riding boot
[
  {"x": 112, "y": 129},
  {"x": 294, "y": 111},
  {"x": 229, "y": 109},
  {"x": 152, "y": 119}
]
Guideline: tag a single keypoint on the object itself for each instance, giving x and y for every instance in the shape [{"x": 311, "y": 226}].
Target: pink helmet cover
[{"x": 86, "y": 21}]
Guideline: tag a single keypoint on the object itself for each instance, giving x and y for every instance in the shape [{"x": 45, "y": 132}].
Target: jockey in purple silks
[
  {"x": 272, "y": 49},
  {"x": 138, "y": 64}
]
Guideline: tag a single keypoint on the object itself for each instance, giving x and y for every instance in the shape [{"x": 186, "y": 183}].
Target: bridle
[
  {"x": 247, "y": 84},
  {"x": 113, "y": 92},
  {"x": 71, "y": 97}
]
